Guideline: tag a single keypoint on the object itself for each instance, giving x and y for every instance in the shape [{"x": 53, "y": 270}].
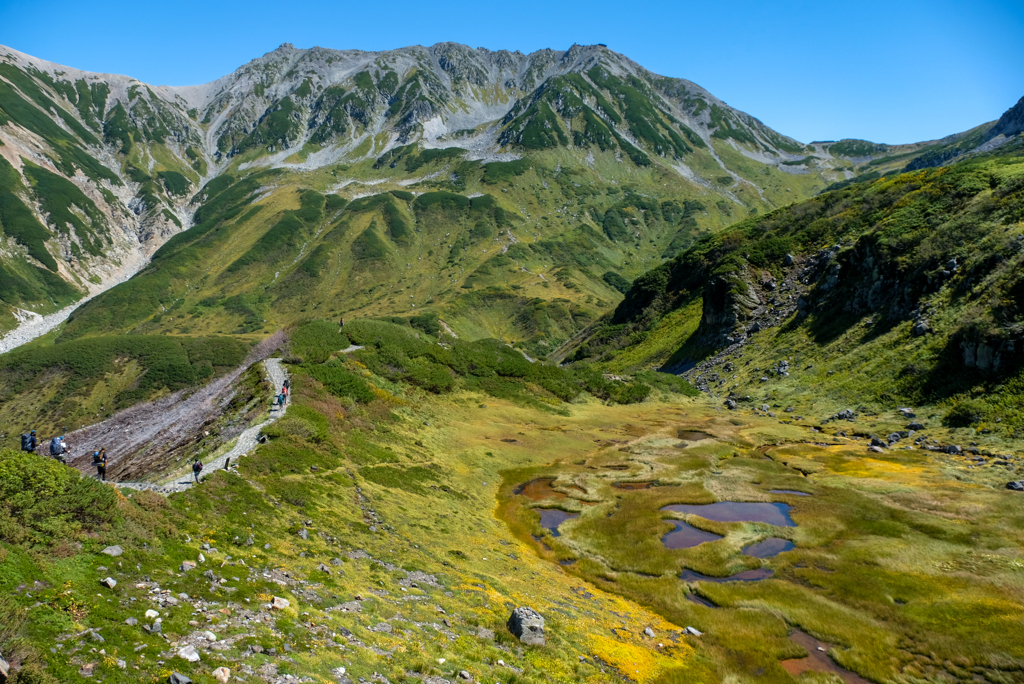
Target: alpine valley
[{"x": 557, "y": 333}]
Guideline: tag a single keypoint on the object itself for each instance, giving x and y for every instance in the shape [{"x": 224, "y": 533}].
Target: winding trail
[{"x": 247, "y": 441}]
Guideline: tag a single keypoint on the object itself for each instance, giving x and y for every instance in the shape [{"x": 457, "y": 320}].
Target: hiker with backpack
[
  {"x": 29, "y": 442},
  {"x": 197, "y": 468},
  {"x": 99, "y": 459},
  {"x": 58, "y": 449}
]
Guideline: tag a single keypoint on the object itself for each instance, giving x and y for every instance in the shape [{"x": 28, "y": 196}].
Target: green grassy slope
[{"x": 837, "y": 285}]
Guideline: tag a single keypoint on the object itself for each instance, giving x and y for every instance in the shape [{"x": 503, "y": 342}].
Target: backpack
[
  {"x": 197, "y": 467},
  {"x": 55, "y": 447},
  {"x": 26, "y": 443},
  {"x": 96, "y": 460}
]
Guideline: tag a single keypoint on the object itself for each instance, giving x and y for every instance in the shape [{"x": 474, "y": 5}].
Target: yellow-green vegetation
[
  {"x": 903, "y": 291},
  {"x": 411, "y": 490}
]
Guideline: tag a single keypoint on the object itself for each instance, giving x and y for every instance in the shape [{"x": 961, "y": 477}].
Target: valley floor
[{"x": 396, "y": 535}]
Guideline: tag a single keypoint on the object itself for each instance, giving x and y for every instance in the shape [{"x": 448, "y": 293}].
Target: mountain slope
[
  {"x": 901, "y": 291},
  {"x": 120, "y": 162}
]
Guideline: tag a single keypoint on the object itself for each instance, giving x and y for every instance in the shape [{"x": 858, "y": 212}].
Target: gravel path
[
  {"x": 247, "y": 441},
  {"x": 37, "y": 326}
]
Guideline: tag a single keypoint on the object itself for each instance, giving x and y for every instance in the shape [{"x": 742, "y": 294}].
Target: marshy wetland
[{"x": 894, "y": 563}]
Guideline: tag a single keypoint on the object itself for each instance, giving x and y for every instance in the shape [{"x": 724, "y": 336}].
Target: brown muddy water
[
  {"x": 686, "y": 536},
  {"x": 693, "y": 435},
  {"x": 772, "y": 546},
  {"x": 745, "y": 576},
  {"x": 817, "y": 661},
  {"x": 737, "y": 511},
  {"x": 632, "y": 486},
  {"x": 551, "y": 518},
  {"x": 539, "y": 489}
]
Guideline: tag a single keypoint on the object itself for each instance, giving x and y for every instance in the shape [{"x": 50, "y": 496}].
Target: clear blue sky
[{"x": 885, "y": 70}]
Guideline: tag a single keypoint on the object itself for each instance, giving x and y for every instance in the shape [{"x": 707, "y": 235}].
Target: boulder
[
  {"x": 189, "y": 653},
  {"x": 915, "y": 426},
  {"x": 151, "y": 614},
  {"x": 177, "y": 678},
  {"x": 323, "y": 568},
  {"x": 788, "y": 260},
  {"x": 337, "y": 561},
  {"x": 527, "y": 625},
  {"x": 303, "y": 533},
  {"x": 1016, "y": 485},
  {"x": 953, "y": 449},
  {"x": 278, "y": 603},
  {"x": 876, "y": 449},
  {"x": 465, "y": 676},
  {"x": 109, "y": 582},
  {"x": 894, "y": 437},
  {"x": 222, "y": 675},
  {"x": 209, "y": 636},
  {"x": 187, "y": 565},
  {"x": 730, "y": 404},
  {"x": 5, "y": 670},
  {"x": 113, "y": 551},
  {"x": 649, "y": 632},
  {"x": 202, "y": 558},
  {"x": 131, "y": 622}
]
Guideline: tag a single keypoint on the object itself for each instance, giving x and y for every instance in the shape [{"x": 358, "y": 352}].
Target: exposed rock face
[
  {"x": 527, "y": 625},
  {"x": 729, "y": 300}
]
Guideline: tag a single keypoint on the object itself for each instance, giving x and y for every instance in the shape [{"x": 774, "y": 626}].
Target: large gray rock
[
  {"x": 177, "y": 678},
  {"x": 113, "y": 551},
  {"x": 1017, "y": 485},
  {"x": 303, "y": 533},
  {"x": 527, "y": 625},
  {"x": 5, "y": 670}
]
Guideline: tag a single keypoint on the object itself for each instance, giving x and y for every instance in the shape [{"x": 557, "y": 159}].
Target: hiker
[
  {"x": 29, "y": 442},
  {"x": 342, "y": 322},
  {"x": 197, "y": 468},
  {"x": 99, "y": 459},
  {"x": 287, "y": 383},
  {"x": 284, "y": 390},
  {"x": 59, "y": 449}
]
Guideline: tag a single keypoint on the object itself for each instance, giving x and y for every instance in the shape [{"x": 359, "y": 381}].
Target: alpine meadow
[{"x": 445, "y": 365}]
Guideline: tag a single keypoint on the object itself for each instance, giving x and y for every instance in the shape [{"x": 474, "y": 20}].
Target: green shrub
[
  {"x": 43, "y": 501},
  {"x": 315, "y": 341}
]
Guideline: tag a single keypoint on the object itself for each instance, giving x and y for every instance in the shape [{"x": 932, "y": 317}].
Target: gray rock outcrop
[{"x": 527, "y": 625}]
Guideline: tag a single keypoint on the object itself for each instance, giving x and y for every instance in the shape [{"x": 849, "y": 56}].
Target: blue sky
[{"x": 888, "y": 71}]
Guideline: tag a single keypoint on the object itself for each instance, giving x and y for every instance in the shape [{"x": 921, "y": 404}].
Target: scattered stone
[
  {"x": 131, "y": 622},
  {"x": 323, "y": 568},
  {"x": 527, "y": 625},
  {"x": 693, "y": 631},
  {"x": 730, "y": 404},
  {"x": 109, "y": 582},
  {"x": 1016, "y": 485},
  {"x": 187, "y": 565},
  {"x": 303, "y": 533},
  {"x": 255, "y": 648},
  {"x": 484, "y": 633},
  {"x": 189, "y": 653},
  {"x": 202, "y": 558},
  {"x": 337, "y": 561},
  {"x": 876, "y": 449},
  {"x": 383, "y": 627},
  {"x": 465, "y": 675},
  {"x": 209, "y": 636},
  {"x": 649, "y": 632},
  {"x": 893, "y": 437},
  {"x": 86, "y": 670},
  {"x": 177, "y": 678},
  {"x": 915, "y": 426},
  {"x": 222, "y": 675},
  {"x": 151, "y": 614},
  {"x": 279, "y": 603},
  {"x": 5, "y": 669},
  {"x": 95, "y": 636},
  {"x": 953, "y": 449},
  {"x": 788, "y": 260},
  {"x": 122, "y": 664},
  {"x": 113, "y": 551},
  {"x": 210, "y": 576}
]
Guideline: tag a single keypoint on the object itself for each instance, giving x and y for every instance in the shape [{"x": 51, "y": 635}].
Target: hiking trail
[{"x": 247, "y": 441}]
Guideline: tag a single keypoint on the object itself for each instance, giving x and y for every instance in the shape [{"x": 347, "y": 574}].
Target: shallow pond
[
  {"x": 788, "y": 491},
  {"x": 539, "y": 489},
  {"x": 551, "y": 518},
  {"x": 745, "y": 576},
  {"x": 700, "y": 600},
  {"x": 693, "y": 435},
  {"x": 632, "y": 486},
  {"x": 686, "y": 536},
  {"x": 817, "y": 661},
  {"x": 772, "y": 546},
  {"x": 736, "y": 511}
]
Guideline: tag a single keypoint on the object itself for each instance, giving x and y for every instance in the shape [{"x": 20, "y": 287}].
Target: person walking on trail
[
  {"x": 99, "y": 459},
  {"x": 29, "y": 442},
  {"x": 287, "y": 383},
  {"x": 197, "y": 468},
  {"x": 59, "y": 449},
  {"x": 285, "y": 391}
]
